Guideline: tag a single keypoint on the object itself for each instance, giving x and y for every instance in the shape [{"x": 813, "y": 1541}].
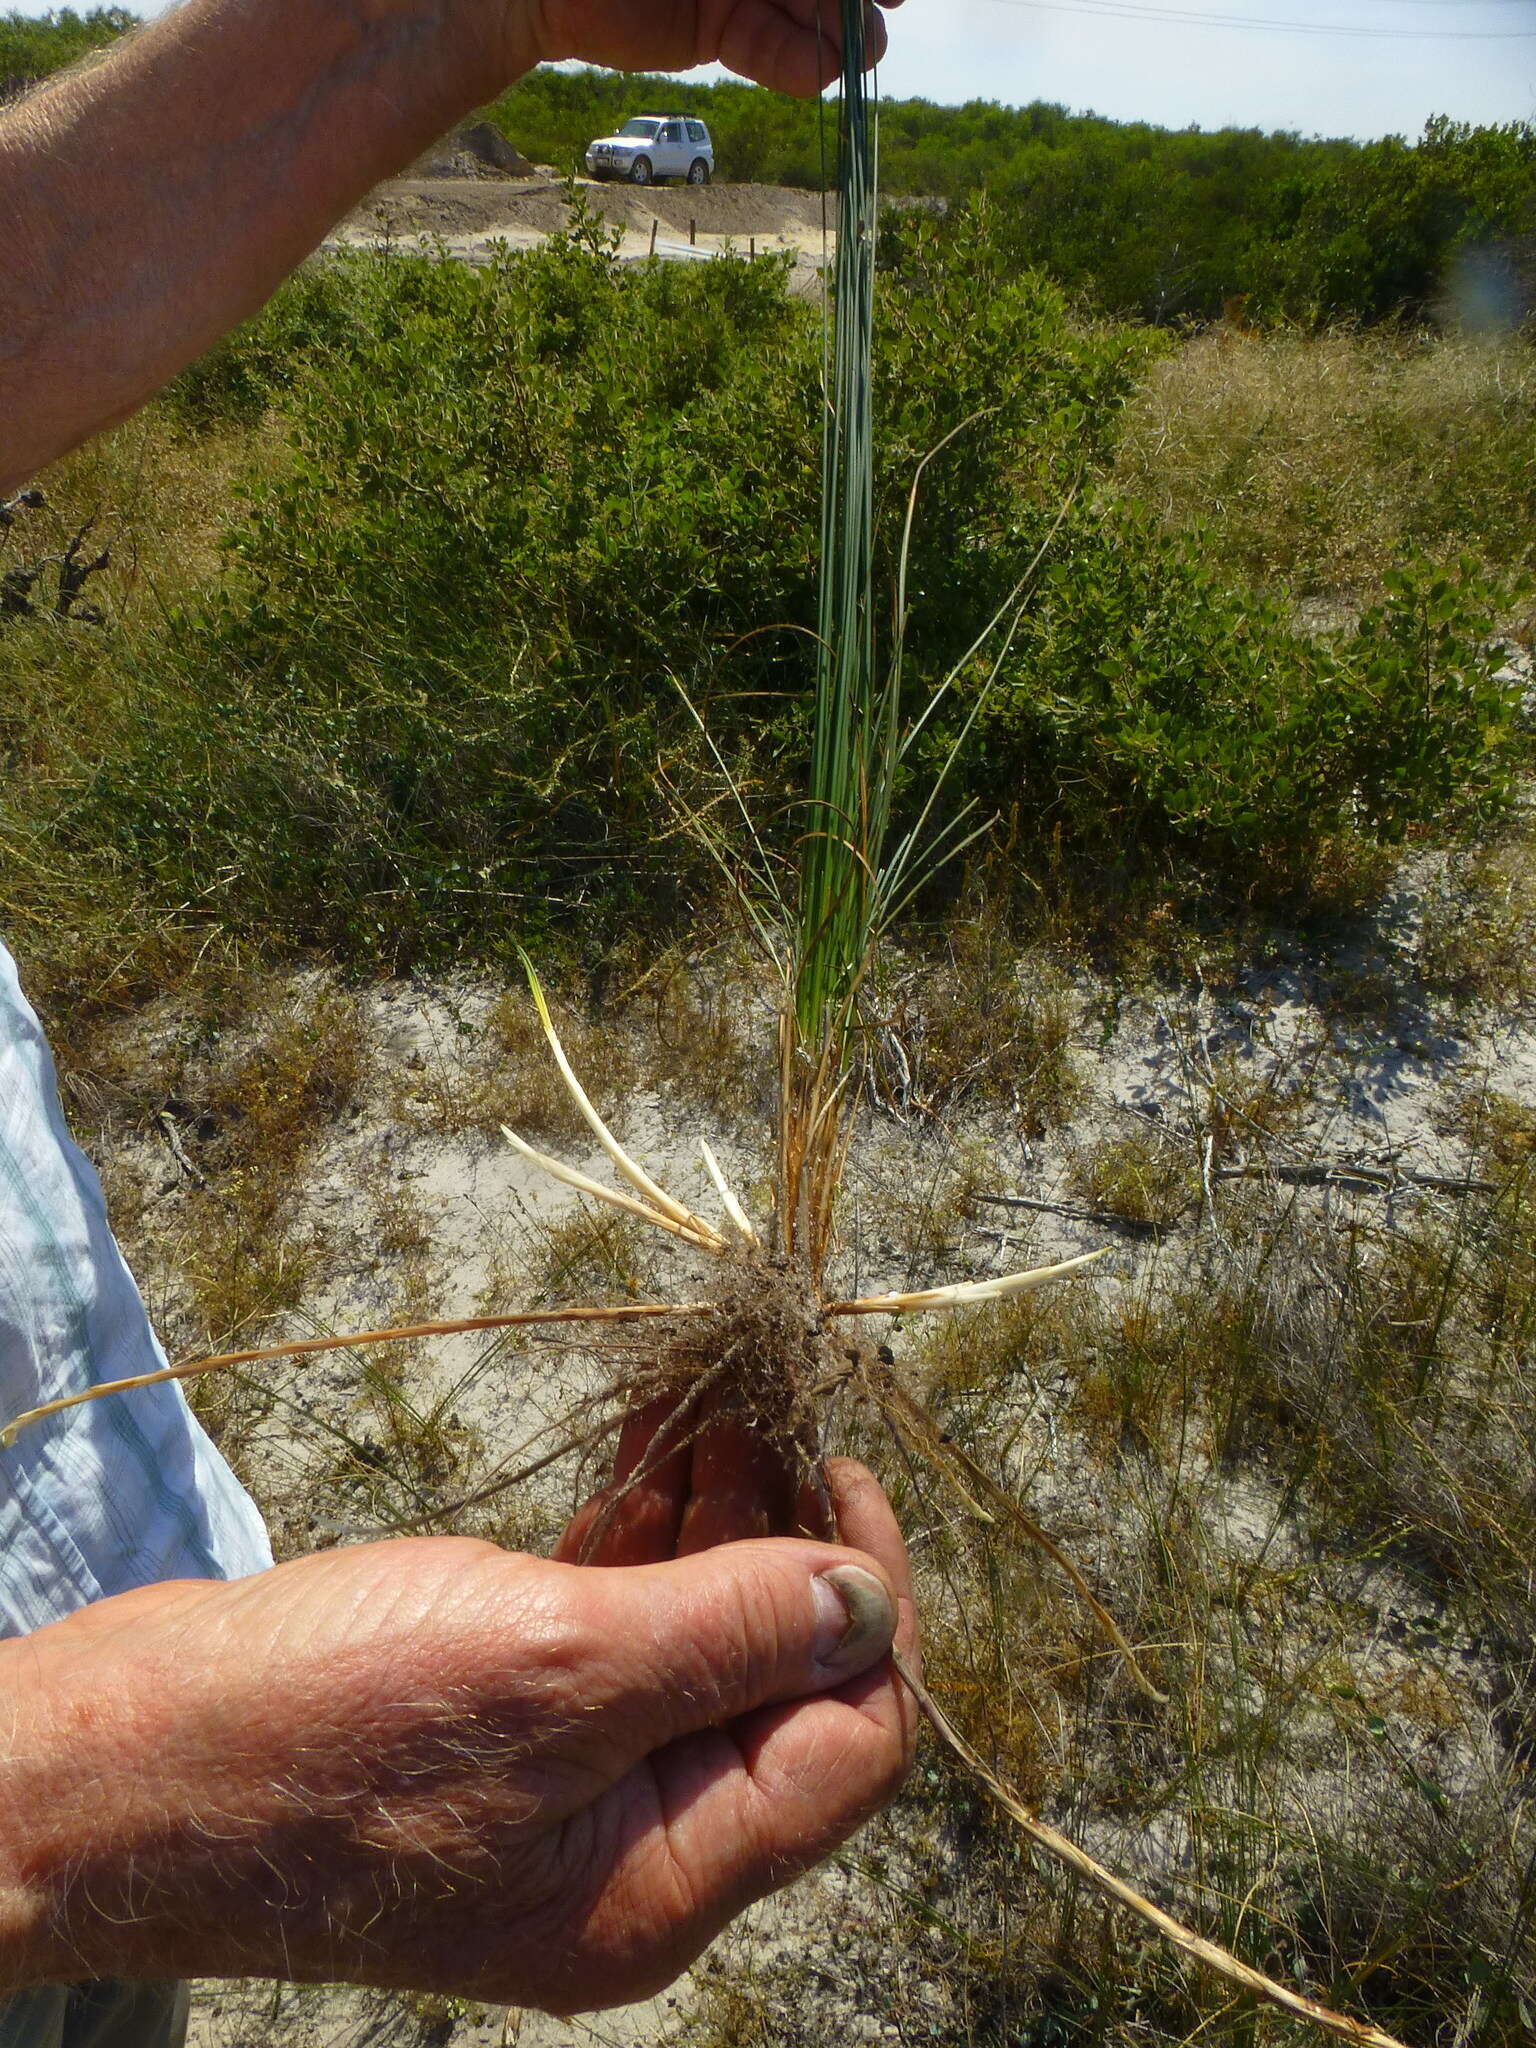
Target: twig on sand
[
  {"x": 1321, "y": 1173},
  {"x": 166, "y": 1124},
  {"x": 1103, "y": 1880}
]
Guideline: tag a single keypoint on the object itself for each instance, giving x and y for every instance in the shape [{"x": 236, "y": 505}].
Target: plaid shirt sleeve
[{"x": 125, "y": 1491}]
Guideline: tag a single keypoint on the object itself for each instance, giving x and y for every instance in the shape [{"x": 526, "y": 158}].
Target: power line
[{"x": 1128, "y": 10}]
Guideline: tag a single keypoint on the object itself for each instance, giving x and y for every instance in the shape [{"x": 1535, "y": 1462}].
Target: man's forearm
[{"x": 232, "y": 134}]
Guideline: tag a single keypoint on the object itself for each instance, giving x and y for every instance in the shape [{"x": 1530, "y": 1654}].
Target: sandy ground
[
  {"x": 467, "y": 216},
  {"x": 420, "y": 1200}
]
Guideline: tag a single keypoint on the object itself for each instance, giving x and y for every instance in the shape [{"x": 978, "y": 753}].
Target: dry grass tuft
[
  {"x": 1478, "y": 938},
  {"x": 977, "y": 1023},
  {"x": 589, "y": 1255},
  {"x": 230, "y": 1104},
  {"x": 502, "y": 1074},
  {"x": 94, "y": 939},
  {"x": 1316, "y": 461},
  {"x": 1299, "y": 1467},
  {"x": 710, "y": 1032},
  {"x": 1144, "y": 1177}
]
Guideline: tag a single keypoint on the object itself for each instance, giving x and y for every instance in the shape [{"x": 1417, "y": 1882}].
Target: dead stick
[
  {"x": 1183, "y": 1938},
  {"x": 1342, "y": 1175},
  {"x": 1074, "y": 1213},
  {"x": 172, "y": 1137}
]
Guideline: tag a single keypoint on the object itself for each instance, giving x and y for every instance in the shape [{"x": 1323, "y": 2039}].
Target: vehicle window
[
  {"x": 673, "y": 132},
  {"x": 647, "y": 129},
  {"x": 697, "y": 132}
]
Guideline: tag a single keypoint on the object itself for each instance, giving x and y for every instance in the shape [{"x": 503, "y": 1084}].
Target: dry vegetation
[
  {"x": 1287, "y": 1439},
  {"x": 1319, "y": 461}
]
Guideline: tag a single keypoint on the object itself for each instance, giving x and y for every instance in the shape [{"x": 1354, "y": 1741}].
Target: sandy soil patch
[
  {"x": 468, "y": 215},
  {"x": 421, "y": 1207}
]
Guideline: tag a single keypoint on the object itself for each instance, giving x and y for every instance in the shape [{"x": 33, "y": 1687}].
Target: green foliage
[
  {"x": 1172, "y": 226},
  {"x": 520, "y": 503},
  {"x": 853, "y": 736},
  {"x": 1159, "y": 224},
  {"x": 33, "y": 46},
  {"x": 1391, "y": 227},
  {"x": 319, "y": 314},
  {"x": 427, "y": 705},
  {"x": 1150, "y": 707}
]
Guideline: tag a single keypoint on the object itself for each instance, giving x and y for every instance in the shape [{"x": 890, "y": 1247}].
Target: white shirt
[{"x": 125, "y": 1491}]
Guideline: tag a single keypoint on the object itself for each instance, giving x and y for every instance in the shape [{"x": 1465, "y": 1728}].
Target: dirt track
[{"x": 468, "y": 214}]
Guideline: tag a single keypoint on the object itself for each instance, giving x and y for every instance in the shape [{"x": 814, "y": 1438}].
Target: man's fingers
[
  {"x": 742, "y": 1482},
  {"x": 686, "y": 1479},
  {"x": 736, "y": 1814},
  {"x": 635, "y": 1519},
  {"x": 697, "y": 1643},
  {"x": 866, "y": 1521},
  {"x": 796, "y": 51},
  {"x": 750, "y": 1809}
]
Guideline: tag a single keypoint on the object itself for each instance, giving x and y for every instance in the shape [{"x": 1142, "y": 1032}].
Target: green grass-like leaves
[{"x": 853, "y": 739}]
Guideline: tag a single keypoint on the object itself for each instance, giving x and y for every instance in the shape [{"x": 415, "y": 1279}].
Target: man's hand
[
  {"x": 791, "y": 45},
  {"x": 434, "y": 1765},
  {"x": 153, "y": 201}
]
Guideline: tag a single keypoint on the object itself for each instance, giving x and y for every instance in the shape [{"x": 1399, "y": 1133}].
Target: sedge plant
[{"x": 768, "y": 1338}]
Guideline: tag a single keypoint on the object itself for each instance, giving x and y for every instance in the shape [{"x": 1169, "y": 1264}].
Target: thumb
[{"x": 702, "y": 1640}]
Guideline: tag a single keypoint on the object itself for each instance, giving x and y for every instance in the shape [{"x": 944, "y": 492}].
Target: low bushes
[
  {"x": 1150, "y": 708},
  {"x": 436, "y": 698}
]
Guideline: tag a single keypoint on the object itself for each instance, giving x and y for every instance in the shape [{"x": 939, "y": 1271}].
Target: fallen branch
[
  {"x": 1340, "y": 1174},
  {"x": 166, "y": 1125}
]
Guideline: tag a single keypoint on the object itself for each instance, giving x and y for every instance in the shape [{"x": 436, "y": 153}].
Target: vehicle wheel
[
  {"x": 698, "y": 172},
  {"x": 640, "y": 171}
]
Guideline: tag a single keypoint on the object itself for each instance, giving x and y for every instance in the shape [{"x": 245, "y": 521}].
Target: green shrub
[
  {"x": 1150, "y": 707},
  {"x": 436, "y": 689},
  {"x": 432, "y": 701},
  {"x": 320, "y": 312},
  {"x": 32, "y": 46}
]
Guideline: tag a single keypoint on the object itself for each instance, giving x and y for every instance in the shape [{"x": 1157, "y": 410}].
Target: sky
[
  {"x": 1167, "y": 61},
  {"x": 1321, "y": 67}
]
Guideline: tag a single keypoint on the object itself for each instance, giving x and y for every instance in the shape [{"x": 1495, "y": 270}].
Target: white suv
[{"x": 652, "y": 147}]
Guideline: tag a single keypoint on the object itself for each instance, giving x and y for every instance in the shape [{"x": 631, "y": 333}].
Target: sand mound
[
  {"x": 428, "y": 202},
  {"x": 472, "y": 150},
  {"x": 764, "y": 210}
]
